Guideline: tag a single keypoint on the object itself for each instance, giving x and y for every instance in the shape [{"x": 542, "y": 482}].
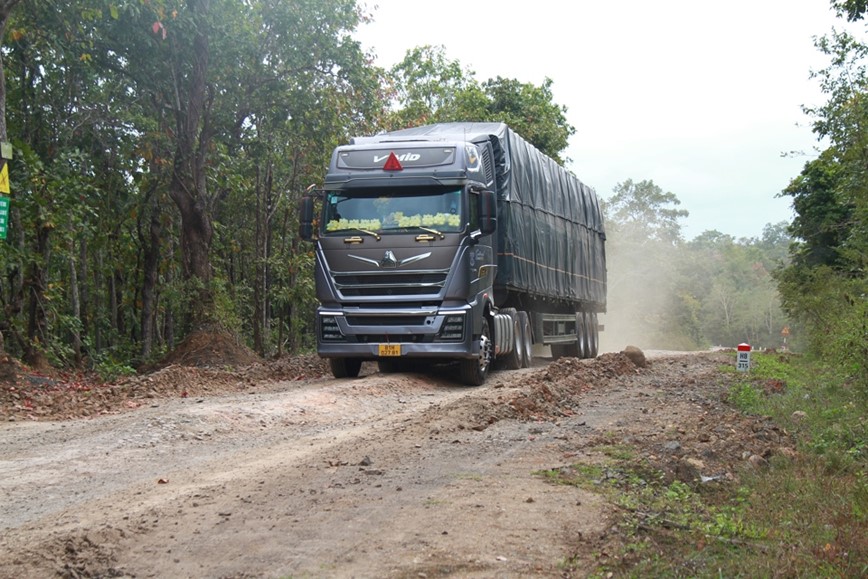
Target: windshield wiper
[
  {"x": 422, "y": 227},
  {"x": 373, "y": 234},
  {"x": 434, "y": 231}
]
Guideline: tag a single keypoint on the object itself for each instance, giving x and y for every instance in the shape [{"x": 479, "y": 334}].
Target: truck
[{"x": 453, "y": 242}]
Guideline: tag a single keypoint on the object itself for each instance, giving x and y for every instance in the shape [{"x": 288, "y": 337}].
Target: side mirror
[
  {"x": 305, "y": 221},
  {"x": 487, "y": 212}
]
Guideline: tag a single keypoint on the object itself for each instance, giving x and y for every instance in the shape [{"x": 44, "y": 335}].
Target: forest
[{"x": 159, "y": 150}]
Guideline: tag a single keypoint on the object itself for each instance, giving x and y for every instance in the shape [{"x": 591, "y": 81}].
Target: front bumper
[{"x": 426, "y": 332}]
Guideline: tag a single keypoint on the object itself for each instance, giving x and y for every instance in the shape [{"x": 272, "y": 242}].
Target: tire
[
  {"x": 526, "y": 339},
  {"x": 593, "y": 335},
  {"x": 513, "y": 360},
  {"x": 583, "y": 346},
  {"x": 475, "y": 371},
  {"x": 345, "y": 367}
]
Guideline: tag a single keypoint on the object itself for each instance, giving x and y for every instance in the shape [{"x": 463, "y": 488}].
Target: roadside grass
[{"x": 802, "y": 516}]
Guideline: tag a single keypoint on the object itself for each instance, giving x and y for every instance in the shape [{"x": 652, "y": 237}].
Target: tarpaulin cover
[{"x": 551, "y": 239}]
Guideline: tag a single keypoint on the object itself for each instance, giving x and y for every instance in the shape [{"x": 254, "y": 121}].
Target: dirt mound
[
  {"x": 66, "y": 396},
  {"x": 545, "y": 395},
  {"x": 555, "y": 392},
  {"x": 10, "y": 370},
  {"x": 210, "y": 348}
]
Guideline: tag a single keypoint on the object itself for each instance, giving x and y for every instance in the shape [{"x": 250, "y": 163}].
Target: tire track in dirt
[{"x": 385, "y": 475}]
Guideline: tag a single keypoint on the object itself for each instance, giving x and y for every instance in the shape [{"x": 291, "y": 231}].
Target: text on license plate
[{"x": 390, "y": 350}]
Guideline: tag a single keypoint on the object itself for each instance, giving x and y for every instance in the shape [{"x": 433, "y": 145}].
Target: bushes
[{"x": 832, "y": 311}]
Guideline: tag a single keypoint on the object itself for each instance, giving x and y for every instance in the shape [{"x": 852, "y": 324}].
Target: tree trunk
[
  {"x": 258, "y": 282},
  {"x": 196, "y": 234},
  {"x": 97, "y": 302},
  {"x": 169, "y": 319},
  {"x": 37, "y": 324},
  {"x": 113, "y": 309},
  {"x": 149, "y": 283},
  {"x": 260, "y": 287},
  {"x": 188, "y": 188},
  {"x": 75, "y": 305},
  {"x": 84, "y": 294}
]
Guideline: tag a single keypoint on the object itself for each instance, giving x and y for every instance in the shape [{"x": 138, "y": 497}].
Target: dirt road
[{"x": 402, "y": 475}]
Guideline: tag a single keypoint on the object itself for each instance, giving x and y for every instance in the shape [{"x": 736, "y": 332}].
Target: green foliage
[
  {"x": 100, "y": 101},
  {"x": 853, "y": 10},
  {"x": 643, "y": 213},
  {"x": 531, "y": 111},
  {"x": 822, "y": 217},
  {"x": 825, "y": 287},
  {"x": 746, "y": 397},
  {"x": 803, "y": 516},
  {"x": 109, "y": 369},
  {"x": 811, "y": 398},
  {"x": 833, "y": 311},
  {"x": 431, "y": 88},
  {"x": 660, "y": 522},
  {"x": 668, "y": 293}
]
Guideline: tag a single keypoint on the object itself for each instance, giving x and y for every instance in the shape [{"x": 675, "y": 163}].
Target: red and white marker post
[{"x": 743, "y": 360}]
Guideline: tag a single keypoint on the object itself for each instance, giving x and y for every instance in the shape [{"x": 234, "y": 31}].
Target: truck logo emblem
[
  {"x": 389, "y": 260},
  {"x": 405, "y": 157}
]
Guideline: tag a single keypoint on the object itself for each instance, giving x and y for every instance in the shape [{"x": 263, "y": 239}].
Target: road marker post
[{"x": 743, "y": 360}]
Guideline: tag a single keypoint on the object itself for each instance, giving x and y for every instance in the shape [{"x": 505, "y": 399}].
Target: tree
[
  {"x": 822, "y": 221},
  {"x": 843, "y": 120},
  {"x": 6, "y": 7},
  {"x": 825, "y": 286},
  {"x": 643, "y": 212},
  {"x": 531, "y": 111},
  {"x": 642, "y": 240},
  {"x": 853, "y": 10},
  {"x": 428, "y": 88},
  {"x": 221, "y": 69},
  {"x": 161, "y": 146},
  {"x": 431, "y": 88}
]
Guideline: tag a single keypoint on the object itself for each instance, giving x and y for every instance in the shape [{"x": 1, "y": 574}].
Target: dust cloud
[{"x": 641, "y": 295}]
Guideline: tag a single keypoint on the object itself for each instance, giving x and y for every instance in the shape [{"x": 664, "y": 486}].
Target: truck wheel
[
  {"x": 525, "y": 340},
  {"x": 513, "y": 360},
  {"x": 584, "y": 347},
  {"x": 345, "y": 367},
  {"x": 593, "y": 335},
  {"x": 475, "y": 371}
]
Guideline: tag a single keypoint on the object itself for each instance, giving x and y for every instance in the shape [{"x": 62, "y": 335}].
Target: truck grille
[
  {"x": 385, "y": 320},
  {"x": 390, "y": 284}
]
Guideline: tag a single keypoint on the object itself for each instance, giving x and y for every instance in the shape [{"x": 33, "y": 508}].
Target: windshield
[{"x": 398, "y": 209}]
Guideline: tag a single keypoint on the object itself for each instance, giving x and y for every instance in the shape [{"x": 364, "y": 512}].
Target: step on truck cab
[{"x": 453, "y": 242}]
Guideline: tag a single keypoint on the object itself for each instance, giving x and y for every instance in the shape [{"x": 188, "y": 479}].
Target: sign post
[
  {"x": 5, "y": 156},
  {"x": 4, "y": 215},
  {"x": 743, "y": 361}
]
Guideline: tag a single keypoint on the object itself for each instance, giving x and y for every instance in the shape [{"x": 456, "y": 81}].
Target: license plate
[{"x": 390, "y": 350}]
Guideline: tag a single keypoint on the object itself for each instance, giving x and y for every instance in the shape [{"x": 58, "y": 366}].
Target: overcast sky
[{"x": 700, "y": 97}]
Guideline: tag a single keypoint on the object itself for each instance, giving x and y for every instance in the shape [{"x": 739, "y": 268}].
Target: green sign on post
[{"x": 4, "y": 215}]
